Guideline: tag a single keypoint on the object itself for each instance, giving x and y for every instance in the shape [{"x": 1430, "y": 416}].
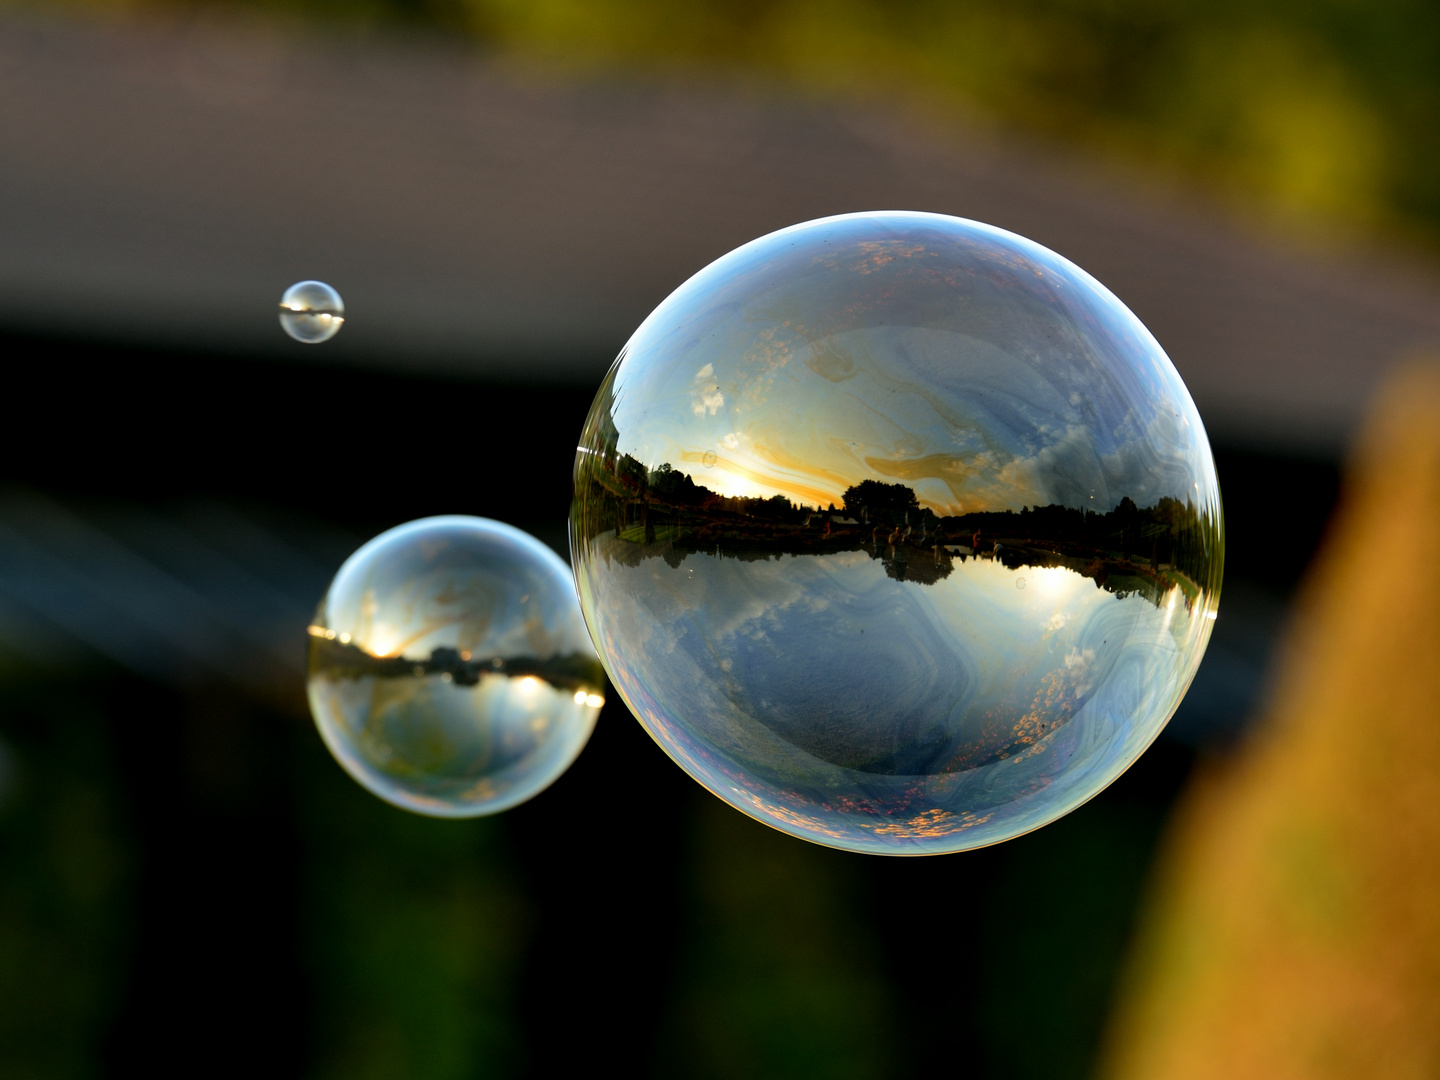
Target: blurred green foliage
[
  {"x": 413, "y": 936},
  {"x": 780, "y": 975},
  {"x": 66, "y": 877},
  {"x": 1321, "y": 110},
  {"x": 415, "y": 933},
  {"x": 1061, "y": 911}
]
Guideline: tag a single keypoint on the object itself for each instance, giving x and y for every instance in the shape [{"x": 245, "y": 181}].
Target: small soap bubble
[
  {"x": 961, "y": 557},
  {"x": 709, "y": 458},
  {"x": 450, "y": 670},
  {"x": 311, "y": 312}
]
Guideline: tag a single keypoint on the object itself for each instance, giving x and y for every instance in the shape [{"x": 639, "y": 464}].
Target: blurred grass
[
  {"x": 1295, "y": 927},
  {"x": 1311, "y": 112}
]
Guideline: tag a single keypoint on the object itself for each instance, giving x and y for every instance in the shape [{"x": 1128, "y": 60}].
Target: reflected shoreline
[
  {"x": 345, "y": 660},
  {"x": 664, "y": 513},
  {"x": 917, "y": 563},
  {"x": 630, "y": 514}
]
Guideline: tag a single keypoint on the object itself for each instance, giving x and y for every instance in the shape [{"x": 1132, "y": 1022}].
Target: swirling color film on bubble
[
  {"x": 898, "y": 532},
  {"x": 450, "y": 670}
]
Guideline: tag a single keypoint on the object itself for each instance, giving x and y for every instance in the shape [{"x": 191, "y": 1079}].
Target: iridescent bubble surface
[
  {"x": 450, "y": 670},
  {"x": 311, "y": 312},
  {"x": 898, "y": 532}
]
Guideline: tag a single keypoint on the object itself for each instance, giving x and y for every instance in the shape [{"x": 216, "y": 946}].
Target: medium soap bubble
[
  {"x": 311, "y": 312},
  {"x": 450, "y": 670},
  {"x": 898, "y": 532}
]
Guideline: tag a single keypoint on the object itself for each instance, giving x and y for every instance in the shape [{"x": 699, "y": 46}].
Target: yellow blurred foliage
[
  {"x": 1262, "y": 106},
  {"x": 1294, "y": 931}
]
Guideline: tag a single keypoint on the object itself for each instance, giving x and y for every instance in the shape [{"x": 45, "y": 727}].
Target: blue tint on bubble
[
  {"x": 450, "y": 670},
  {"x": 898, "y": 532}
]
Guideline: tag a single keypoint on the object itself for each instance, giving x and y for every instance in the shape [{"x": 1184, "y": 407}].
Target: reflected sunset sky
[{"x": 881, "y": 359}]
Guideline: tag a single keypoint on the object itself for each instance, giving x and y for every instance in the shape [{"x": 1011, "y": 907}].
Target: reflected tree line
[
  {"x": 664, "y": 513},
  {"x": 337, "y": 659}
]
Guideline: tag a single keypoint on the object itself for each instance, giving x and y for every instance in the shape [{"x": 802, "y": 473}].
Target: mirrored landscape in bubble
[
  {"x": 898, "y": 532},
  {"x": 311, "y": 312},
  {"x": 450, "y": 669}
]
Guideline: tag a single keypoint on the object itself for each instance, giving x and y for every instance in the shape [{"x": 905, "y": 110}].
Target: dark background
[{"x": 189, "y": 878}]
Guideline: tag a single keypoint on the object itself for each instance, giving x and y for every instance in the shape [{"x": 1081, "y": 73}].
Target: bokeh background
[{"x": 501, "y": 191}]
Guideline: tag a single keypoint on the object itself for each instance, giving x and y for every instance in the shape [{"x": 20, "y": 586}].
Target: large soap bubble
[
  {"x": 450, "y": 671},
  {"x": 898, "y": 532}
]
